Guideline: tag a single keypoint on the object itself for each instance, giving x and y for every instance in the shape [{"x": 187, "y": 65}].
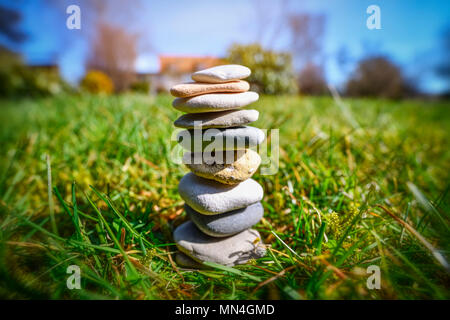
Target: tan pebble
[
  {"x": 191, "y": 89},
  {"x": 237, "y": 166}
]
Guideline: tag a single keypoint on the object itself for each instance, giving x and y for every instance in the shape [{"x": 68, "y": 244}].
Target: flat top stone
[
  {"x": 229, "y": 223},
  {"x": 197, "y": 88},
  {"x": 222, "y": 119},
  {"x": 228, "y": 167},
  {"x": 213, "y": 102},
  {"x": 228, "y": 251},
  {"x": 222, "y": 73},
  {"x": 211, "y": 197},
  {"x": 220, "y": 139}
]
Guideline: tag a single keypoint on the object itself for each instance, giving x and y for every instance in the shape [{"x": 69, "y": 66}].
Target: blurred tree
[
  {"x": 306, "y": 32},
  {"x": 311, "y": 80},
  {"x": 114, "y": 52},
  {"x": 12, "y": 72},
  {"x": 113, "y": 30},
  {"x": 17, "y": 79},
  {"x": 272, "y": 72},
  {"x": 11, "y": 66},
  {"x": 443, "y": 67},
  {"x": 269, "y": 21},
  {"x": 378, "y": 77},
  {"x": 9, "y": 20},
  {"x": 97, "y": 82}
]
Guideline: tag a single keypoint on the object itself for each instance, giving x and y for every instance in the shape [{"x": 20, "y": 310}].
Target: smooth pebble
[
  {"x": 222, "y": 73},
  {"x": 229, "y": 223},
  {"x": 214, "y": 139},
  {"x": 211, "y": 197},
  {"x": 229, "y": 167},
  {"x": 223, "y": 119},
  {"x": 214, "y": 102},
  {"x": 196, "y": 88},
  {"x": 229, "y": 251}
]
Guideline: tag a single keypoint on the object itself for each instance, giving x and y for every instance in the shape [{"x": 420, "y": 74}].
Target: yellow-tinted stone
[{"x": 237, "y": 166}]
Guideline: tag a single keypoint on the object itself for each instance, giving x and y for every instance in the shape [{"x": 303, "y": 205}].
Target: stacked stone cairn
[{"x": 221, "y": 199}]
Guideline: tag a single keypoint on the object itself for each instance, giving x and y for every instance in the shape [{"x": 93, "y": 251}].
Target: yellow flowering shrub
[{"x": 97, "y": 82}]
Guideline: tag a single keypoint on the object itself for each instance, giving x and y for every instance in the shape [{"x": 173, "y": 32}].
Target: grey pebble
[
  {"x": 229, "y": 251},
  {"x": 214, "y": 139},
  {"x": 211, "y": 197},
  {"x": 228, "y": 223},
  {"x": 223, "y": 119}
]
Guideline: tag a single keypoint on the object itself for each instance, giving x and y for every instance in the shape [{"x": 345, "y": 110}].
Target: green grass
[{"x": 349, "y": 174}]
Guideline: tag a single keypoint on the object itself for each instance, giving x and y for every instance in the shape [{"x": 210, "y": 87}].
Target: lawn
[{"x": 360, "y": 183}]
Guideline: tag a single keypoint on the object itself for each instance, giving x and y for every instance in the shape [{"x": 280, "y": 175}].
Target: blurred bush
[
  {"x": 114, "y": 52},
  {"x": 378, "y": 77},
  {"x": 272, "y": 72},
  {"x": 97, "y": 82},
  {"x": 311, "y": 80},
  {"x": 140, "y": 86},
  {"x": 17, "y": 79}
]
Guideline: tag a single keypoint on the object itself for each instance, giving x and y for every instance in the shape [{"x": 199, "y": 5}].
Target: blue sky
[{"x": 410, "y": 34}]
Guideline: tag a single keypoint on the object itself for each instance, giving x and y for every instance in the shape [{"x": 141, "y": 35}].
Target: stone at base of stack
[
  {"x": 228, "y": 251},
  {"x": 222, "y": 201}
]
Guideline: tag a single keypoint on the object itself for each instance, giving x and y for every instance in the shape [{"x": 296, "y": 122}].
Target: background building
[{"x": 176, "y": 69}]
